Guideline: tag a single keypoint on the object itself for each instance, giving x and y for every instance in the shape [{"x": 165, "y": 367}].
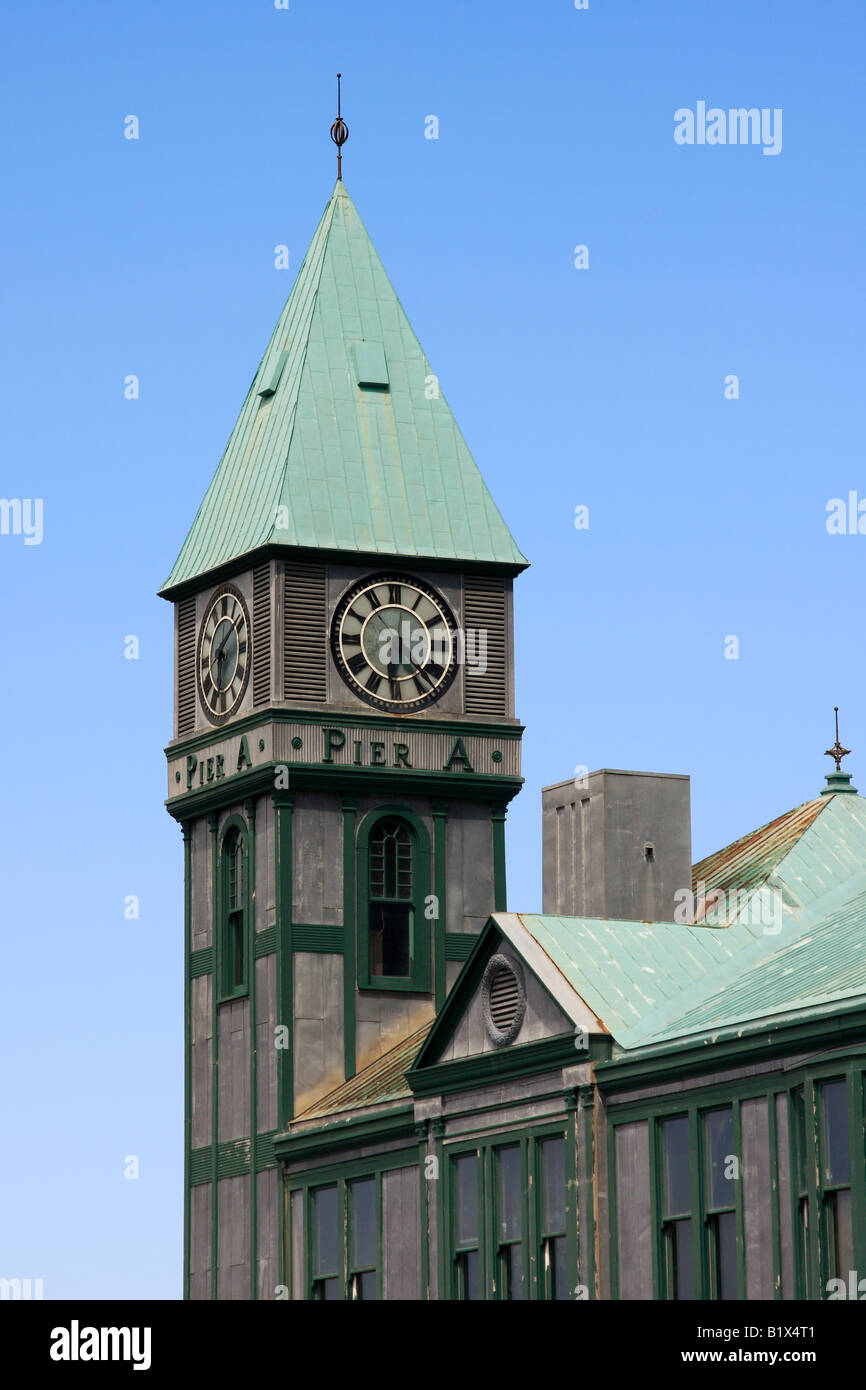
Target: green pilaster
[
  {"x": 440, "y": 821},
  {"x": 250, "y": 808},
  {"x": 283, "y": 804},
  {"x": 497, "y": 818},
  {"x": 215, "y": 1042},
  {"x": 587, "y": 1274},
  {"x": 424, "y": 1208},
  {"x": 350, "y": 808},
  {"x": 186, "y": 829}
]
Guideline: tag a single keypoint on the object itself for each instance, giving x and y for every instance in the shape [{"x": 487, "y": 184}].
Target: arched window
[
  {"x": 234, "y": 913},
  {"x": 391, "y": 910},
  {"x": 394, "y": 912}
]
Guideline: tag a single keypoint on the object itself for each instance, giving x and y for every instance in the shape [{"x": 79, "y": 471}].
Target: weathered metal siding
[
  {"x": 201, "y": 898},
  {"x": 633, "y": 1212},
  {"x": 233, "y": 1021},
  {"x": 317, "y": 859},
  {"x": 266, "y": 1051},
  {"x": 469, "y": 898},
  {"x": 319, "y": 1063},
  {"x": 401, "y": 1234},
  {"x": 268, "y": 1216},
  {"x": 233, "y": 1248},
  {"x": 757, "y": 1197},
  {"x": 200, "y": 1242},
  {"x": 201, "y": 1052},
  {"x": 297, "y": 1246}
]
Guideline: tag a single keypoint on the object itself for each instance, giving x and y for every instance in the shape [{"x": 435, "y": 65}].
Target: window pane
[
  {"x": 363, "y": 1211},
  {"x": 511, "y": 1265},
  {"x": 726, "y": 1254},
  {"x": 684, "y": 1273},
  {"x": 558, "y": 1280},
  {"x": 466, "y": 1182},
  {"x": 365, "y": 1286},
  {"x": 390, "y": 937},
  {"x": 510, "y": 1193},
  {"x": 677, "y": 1187},
  {"x": 837, "y": 1160},
  {"x": 719, "y": 1131},
  {"x": 325, "y": 1221},
  {"x": 470, "y": 1282},
  {"x": 553, "y": 1184}
]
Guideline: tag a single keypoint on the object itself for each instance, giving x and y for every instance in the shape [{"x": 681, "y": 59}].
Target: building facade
[{"x": 395, "y": 1088}]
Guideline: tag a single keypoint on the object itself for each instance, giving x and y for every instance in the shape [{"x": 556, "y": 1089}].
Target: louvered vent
[
  {"x": 305, "y": 669},
  {"x": 504, "y": 998},
  {"x": 484, "y": 612},
  {"x": 261, "y": 634},
  {"x": 185, "y": 666}
]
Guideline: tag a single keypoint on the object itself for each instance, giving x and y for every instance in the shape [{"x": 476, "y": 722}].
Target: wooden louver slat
[
  {"x": 261, "y": 634},
  {"x": 305, "y": 638},
  {"x": 504, "y": 999},
  {"x": 484, "y": 611},
  {"x": 186, "y": 666}
]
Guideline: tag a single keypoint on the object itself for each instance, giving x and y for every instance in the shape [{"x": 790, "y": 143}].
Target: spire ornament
[
  {"x": 339, "y": 133},
  {"x": 837, "y": 751},
  {"x": 837, "y": 781}
]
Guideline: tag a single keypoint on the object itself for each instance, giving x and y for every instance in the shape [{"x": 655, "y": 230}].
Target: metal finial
[
  {"x": 837, "y": 751},
  {"x": 339, "y": 132}
]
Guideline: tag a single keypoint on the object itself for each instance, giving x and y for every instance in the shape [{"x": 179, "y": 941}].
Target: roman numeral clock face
[
  {"x": 223, "y": 665},
  {"x": 393, "y": 640}
]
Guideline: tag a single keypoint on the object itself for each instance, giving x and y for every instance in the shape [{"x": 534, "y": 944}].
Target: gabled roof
[{"x": 345, "y": 442}]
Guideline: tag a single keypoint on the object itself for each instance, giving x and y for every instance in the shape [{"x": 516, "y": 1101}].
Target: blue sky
[{"x": 601, "y": 387}]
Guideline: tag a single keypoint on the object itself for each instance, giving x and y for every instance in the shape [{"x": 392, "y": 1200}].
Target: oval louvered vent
[{"x": 503, "y": 999}]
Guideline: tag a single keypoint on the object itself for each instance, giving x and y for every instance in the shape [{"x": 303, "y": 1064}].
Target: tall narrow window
[
  {"x": 362, "y": 1239},
  {"x": 836, "y": 1180},
  {"x": 721, "y": 1219},
  {"x": 510, "y": 1279},
  {"x": 679, "y": 1269},
  {"x": 467, "y": 1258},
  {"x": 391, "y": 907},
  {"x": 553, "y": 1250},
  {"x": 234, "y": 913},
  {"x": 326, "y": 1244}
]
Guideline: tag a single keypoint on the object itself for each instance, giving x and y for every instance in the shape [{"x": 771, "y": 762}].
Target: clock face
[
  {"x": 394, "y": 642},
  {"x": 223, "y": 665}
]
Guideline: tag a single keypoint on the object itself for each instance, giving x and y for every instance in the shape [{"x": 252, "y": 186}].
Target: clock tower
[{"x": 345, "y": 745}]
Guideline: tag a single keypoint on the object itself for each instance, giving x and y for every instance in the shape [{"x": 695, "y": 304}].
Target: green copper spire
[
  {"x": 837, "y": 781},
  {"x": 345, "y": 442}
]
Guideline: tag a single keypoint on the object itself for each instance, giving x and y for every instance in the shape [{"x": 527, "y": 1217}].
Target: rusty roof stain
[
  {"x": 383, "y": 1080},
  {"x": 749, "y": 861}
]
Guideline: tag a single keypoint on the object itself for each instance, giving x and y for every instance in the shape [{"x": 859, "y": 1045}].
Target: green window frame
[
  {"x": 393, "y": 874},
  {"x": 233, "y": 938},
  {"x": 507, "y": 1219},
  {"x": 829, "y": 1178},
  {"x": 344, "y": 1248}
]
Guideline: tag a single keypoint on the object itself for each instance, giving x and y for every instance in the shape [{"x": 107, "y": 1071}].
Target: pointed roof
[{"x": 345, "y": 442}]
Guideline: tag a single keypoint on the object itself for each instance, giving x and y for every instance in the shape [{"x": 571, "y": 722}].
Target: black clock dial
[
  {"x": 223, "y": 664},
  {"x": 394, "y": 641}
]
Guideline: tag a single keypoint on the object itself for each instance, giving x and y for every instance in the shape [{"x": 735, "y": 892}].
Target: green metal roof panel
[{"x": 318, "y": 461}]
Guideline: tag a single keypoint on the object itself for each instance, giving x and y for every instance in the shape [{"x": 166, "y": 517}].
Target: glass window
[
  {"x": 510, "y": 1222},
  {"x": 362, "y": 1239},
  {"x": 234, "y": 967},
  {"x": 467, "y": 1259},
  {"x": 391, "y": 910},
  {"x": 677, "y": 1226},
  {"x": 553, "y": 1244},
  {"x": 326, "y": 1256},
  {"x": 721, "y": 1221},
  {"x": 836, "y": 1167}
]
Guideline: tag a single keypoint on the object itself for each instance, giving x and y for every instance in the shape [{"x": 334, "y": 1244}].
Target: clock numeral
[
  {"x": 373, "y": 599},
  {"x": 415, "y": 604},
  {"x": 395, "y": 593},
  {"x": 373, "y": 683},
  {"x": 351, "y": 639},
  {"x": 396, "y": 690},
  {"x": 435, "y": 670},
  {"x": 357, "y": 663},
  {"x": 357, "y": 616}
]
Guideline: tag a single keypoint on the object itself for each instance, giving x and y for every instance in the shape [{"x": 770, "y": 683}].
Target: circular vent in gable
[{"x": 503, "y": 1000}]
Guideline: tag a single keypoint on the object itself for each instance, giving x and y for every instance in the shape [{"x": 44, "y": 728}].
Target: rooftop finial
[
  {"x": 339, "y": 133},
  {"x": 837, "y": 751}
]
